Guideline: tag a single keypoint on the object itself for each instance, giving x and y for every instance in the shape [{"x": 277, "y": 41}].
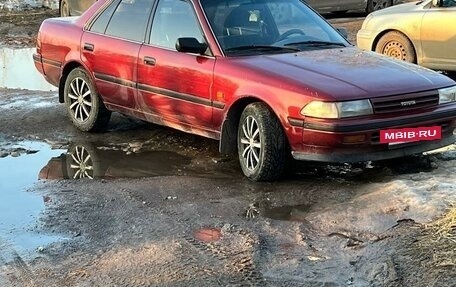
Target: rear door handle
[
  {"x": 149, "y": 61},
  {"x": 89, "y": 47}
]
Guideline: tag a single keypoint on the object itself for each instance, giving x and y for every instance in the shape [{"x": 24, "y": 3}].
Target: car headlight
[
  {"x": 336, "y": 110},
  {"x": 447, "y": 95}
]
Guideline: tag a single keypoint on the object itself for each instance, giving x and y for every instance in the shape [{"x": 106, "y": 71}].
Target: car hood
[
  {"x": 346, "y": 73},
  {"x": 401, "y": 8}
]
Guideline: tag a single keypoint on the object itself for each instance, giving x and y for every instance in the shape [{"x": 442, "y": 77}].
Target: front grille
[{"x": 407, "y": 102}]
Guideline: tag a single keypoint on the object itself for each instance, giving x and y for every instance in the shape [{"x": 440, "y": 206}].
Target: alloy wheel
[
  {"x": 381, "y": 4},
  {"x": 251, "y": 143},
  {"x": 81, "y": 163},
  {"x": 64, "y": 9},
  {"x": 80, "y": 99}
]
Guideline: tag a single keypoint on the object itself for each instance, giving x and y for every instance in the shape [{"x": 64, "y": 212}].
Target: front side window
[
  {"x": 174, "y": 19},
  {"x": 281, "y": 25},
  {"x": 129, "y": 20}
]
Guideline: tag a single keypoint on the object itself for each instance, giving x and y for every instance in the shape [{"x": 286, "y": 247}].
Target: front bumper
[
  {"x": 359, "y": 155},
  {"x": 364, "y": 39},
  {"x": 332, "y": 141}
]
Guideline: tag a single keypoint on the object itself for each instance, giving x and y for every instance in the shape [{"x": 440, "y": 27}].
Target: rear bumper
[{"x": 38, "y": 61}]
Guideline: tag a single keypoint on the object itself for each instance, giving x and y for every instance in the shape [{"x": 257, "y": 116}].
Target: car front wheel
[
  {"x": 396, "y": 45},
  {"x": 374, "y": 5},
  {"x": 84, "y": 106},
  {"x": 262, "y": 146}
]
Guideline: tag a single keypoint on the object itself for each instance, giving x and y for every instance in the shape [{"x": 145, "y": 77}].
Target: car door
[
  {"x": 438, "y": 37},
  {"x": 175, "y": 87},
  {"x": 110, "y": 49}
]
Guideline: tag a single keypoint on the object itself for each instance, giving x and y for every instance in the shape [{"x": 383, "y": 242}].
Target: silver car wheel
[
  {"x": 395, "y": 50},
  {"x": 80, "y": 99},
  {"x": 251, "y": 143},
  {"x": 377, "y": 5},
  {"x": 396, "y": 45},
  {"x": 81, "y": 163}
]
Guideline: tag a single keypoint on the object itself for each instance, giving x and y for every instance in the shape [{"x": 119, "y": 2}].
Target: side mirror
[
  {"x": 190, "y": 45},
  {"x": 343, "y": 32},
  {"x": 437, "y": 3}
]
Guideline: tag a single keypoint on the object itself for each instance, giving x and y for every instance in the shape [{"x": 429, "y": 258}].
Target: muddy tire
[
  {"x": 396, "y": 45},
  {"x": 374, "y": 5},
  {"x": 262, "y": 146},
  {"x": 83, "y": 104},
  {"x": 64, "y": 8}
]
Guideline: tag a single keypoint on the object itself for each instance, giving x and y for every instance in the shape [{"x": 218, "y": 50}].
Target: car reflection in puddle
[{"x": 89, "y": 161}]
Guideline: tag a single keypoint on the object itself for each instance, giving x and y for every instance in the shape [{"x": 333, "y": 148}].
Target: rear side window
[
  {"x": 100, "y": 24},
  {"x": 129, "y": 20}
]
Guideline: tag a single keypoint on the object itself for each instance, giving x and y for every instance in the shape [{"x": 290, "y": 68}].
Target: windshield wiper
[
  {"x": 261, "y": 48},
  {"x": 316, "y": 43}
]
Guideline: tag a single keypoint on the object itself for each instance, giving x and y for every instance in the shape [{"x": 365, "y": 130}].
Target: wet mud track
[{"x": 143, "y": 205}]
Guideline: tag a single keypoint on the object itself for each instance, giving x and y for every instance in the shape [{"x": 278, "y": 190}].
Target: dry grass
[
  {"x": 445, "y": 227},
  {"x": 440, "y": 239}
]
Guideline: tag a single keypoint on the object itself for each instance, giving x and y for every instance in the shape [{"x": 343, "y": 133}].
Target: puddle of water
[
  {"x": 289, "y": 213},
  {"x": 89, "y": 161},
  {"x": 17, "y": 71},
  {"x": 19, "y": 209}
]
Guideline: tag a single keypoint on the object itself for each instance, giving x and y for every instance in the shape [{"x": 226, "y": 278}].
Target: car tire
[
  {"x": 374, "y": 5},
  {"x": 83, "y": 104},
  {"x": 262, "y": 146},
  {"x": 396, "y": 45},
  {"x": 64, "y": 8}
]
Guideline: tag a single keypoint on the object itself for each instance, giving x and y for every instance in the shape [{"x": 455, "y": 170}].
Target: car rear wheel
[
  {"x": 64, "y": 8},
  {"x": 261, "y": 142},
  {"x": 396, "y": 45},
  {"x": 84, "y": 106},
  {"x": 374, "y": 5}
]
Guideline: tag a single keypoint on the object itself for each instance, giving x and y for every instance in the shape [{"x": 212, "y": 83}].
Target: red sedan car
[{"x": 267, "y": 78}]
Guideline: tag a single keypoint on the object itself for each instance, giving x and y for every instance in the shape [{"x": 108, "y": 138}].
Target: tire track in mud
[
  {"x": 14, "y": 268},
  {"x": 225, "y": 253}
]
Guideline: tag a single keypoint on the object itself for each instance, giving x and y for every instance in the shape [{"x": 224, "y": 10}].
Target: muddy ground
[{"x": 165, "y": 209}]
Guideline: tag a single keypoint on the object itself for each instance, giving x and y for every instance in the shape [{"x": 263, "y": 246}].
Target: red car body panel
[
  {"x": 196, "y": 93},
  {"x": 173, "y": 90},
  {"x": 123, "y": 73}
]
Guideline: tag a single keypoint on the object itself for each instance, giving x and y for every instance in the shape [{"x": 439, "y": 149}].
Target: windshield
[{"x": 268, "y": 26}]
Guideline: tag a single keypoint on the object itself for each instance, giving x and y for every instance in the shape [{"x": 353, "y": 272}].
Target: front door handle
[
  {"x": 89, "y": 47},
  {"x": 149, "y": 61}
]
